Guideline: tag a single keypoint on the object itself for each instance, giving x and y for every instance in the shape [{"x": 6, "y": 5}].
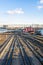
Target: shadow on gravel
[{"x": 17, "y": 60}]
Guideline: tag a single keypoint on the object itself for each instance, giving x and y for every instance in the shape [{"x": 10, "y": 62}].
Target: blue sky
[{"x": 21, "y": 11}]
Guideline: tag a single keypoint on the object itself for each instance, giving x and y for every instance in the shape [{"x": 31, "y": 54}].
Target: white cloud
[
  {"x": 16, "y": 11},
  {"x": 41, "y": 1},
  {"x": 40, "y": 7}
]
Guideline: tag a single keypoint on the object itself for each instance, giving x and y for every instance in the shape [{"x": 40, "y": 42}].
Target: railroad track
[
  {"x": 13, "y": 53},
  {"x": 16, "y": 56},
  {"x": 32, "y": 58},
  {"x": 7, "y": 58},
  {"x": 37, "y": 38},
  {"x": 19, "y": 55},
  {"x": 23, "y": 54},
  {"x": 4, "y": 44},
  {"x": 38, "y": 55},
  {"x": 35, "y": 42},
  {"x": 5, "y": 41},
  {"x": 40, "y": 38},
  {"x": 20, "y": 52},
  {"x": 38, "y": 48}
]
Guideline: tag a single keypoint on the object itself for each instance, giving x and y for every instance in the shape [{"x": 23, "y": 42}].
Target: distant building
[{"x": 5, "y": 26}]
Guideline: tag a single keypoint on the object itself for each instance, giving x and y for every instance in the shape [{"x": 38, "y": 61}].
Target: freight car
[{"x": 29, "y": 29}]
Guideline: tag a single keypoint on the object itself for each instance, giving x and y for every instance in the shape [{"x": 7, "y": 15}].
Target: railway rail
[
  {"x": 37, "y": 54},
  {"x": 29, "y": 53},
  {"x": 40, "y": 38},
  {"x": 38, "y": 48},
  {"x": 20, "y": 52},
  {"x": 23, "y": 54},
  {"x": 7, "y": 57},
  {"x": 5, "y": 41},
  {"x": 37, "y": 38},
  {"x": 19, "y": 55},
  {"x": 35, "y": 42},
  {"x": 4, "y": 44}
]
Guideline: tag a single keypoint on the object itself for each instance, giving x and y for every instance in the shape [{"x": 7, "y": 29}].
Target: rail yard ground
[
  {"x": 23, "y": 49},
  {"x": 3, "y": 38}
]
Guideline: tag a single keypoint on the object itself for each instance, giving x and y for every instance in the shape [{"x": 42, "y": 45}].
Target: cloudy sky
[{"x": 21, "y": 11}]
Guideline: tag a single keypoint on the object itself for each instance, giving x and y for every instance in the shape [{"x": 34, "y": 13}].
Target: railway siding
[
  {"x": 31, "y": 56},
  {"x": 6, "y": 49},
  {"x": 21, "y": 51},
  {"x": 36, "y": 48},
  {"x": 16, "y": 56}
]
